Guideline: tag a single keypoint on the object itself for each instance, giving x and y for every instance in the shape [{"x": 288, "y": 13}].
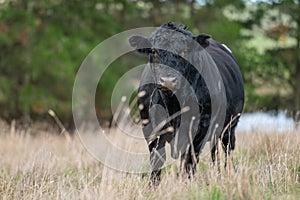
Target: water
[{"x": 265, "y": 122}]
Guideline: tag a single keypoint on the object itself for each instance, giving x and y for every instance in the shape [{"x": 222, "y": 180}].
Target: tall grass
[{"x": 49, "y": 166}]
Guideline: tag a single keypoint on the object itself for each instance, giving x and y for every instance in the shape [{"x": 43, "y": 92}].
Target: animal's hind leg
[
  {"x": 215, "y": 154},
  {"x": 228, "y": 144}
]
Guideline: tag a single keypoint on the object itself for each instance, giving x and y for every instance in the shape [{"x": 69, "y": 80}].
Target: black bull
[{"x": 177, "y": 95}]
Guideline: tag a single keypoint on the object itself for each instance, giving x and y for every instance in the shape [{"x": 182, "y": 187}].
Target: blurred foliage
[{"x": 43, "y": 43}]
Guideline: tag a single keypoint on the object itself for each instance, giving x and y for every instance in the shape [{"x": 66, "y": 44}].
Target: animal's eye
[
  {"x": 182, "y": 53},
  {"x": 155, "y": 55}
]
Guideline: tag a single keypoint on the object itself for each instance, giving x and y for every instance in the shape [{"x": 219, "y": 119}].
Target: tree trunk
[
  {"x": 297, "y": 75},
  {"x": 192, "y": 11}
]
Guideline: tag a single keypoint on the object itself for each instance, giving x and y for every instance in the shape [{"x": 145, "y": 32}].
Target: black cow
[{"x": 176, "y": 97}]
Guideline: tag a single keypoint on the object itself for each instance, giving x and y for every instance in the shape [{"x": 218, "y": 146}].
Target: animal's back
[{"x": 231, "y": 76}]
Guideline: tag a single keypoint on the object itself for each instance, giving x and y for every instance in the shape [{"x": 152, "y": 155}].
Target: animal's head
[{"x": 169, "y": 49}]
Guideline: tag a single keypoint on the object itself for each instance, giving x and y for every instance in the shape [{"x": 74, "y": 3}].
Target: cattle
[{"x": 178, "y": 94}]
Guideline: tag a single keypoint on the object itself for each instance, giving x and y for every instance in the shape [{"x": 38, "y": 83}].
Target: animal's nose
[{"x": 168, "y": 82}]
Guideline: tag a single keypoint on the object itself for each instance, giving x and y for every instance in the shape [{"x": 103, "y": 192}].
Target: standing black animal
[{"x": 170, "y": 84}]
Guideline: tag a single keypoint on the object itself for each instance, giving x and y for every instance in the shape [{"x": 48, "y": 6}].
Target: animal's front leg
[{"x": 157, "y": 160}]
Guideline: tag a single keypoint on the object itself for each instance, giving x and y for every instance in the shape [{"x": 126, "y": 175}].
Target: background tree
[
  {"x": 43, "y": 43},
  {"x": 275, "y": 70}
]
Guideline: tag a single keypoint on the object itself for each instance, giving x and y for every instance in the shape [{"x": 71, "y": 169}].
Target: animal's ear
[
  {"x": 140, "y": 44},
  {"x": 202, "y": 39}
]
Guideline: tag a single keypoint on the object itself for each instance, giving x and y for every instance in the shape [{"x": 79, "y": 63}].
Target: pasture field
[{"x": 48, "y": 166}]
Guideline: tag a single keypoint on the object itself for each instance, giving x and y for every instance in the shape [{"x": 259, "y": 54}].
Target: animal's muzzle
[{"x": 167, "y": 83}]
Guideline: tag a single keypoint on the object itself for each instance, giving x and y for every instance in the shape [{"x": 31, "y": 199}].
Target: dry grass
[{"x": 47, "y": 166}]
